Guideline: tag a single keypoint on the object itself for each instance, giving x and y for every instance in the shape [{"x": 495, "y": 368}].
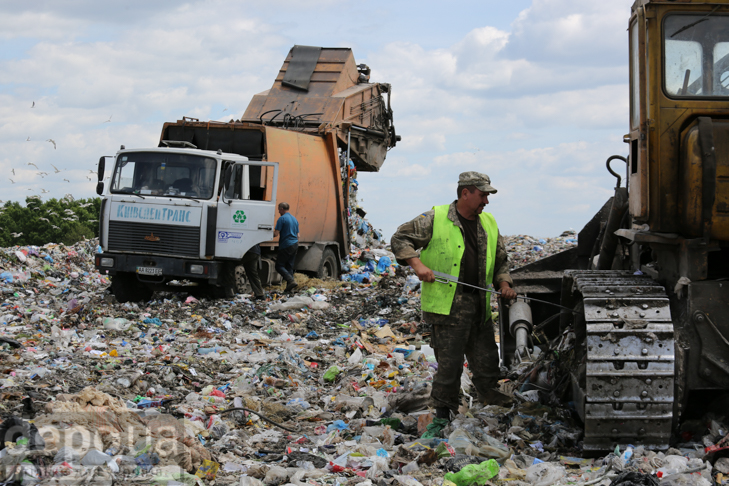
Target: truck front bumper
[{"x": 166, "y": 268}]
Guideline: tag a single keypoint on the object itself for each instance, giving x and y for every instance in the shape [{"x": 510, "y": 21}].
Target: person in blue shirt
[{"x": 287, "y": 229}]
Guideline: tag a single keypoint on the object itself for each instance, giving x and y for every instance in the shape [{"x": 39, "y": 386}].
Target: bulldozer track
[{"x": 629, "y": 392}]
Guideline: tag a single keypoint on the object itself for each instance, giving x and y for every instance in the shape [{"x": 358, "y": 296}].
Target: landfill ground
[{"x": 328, "y": 386}]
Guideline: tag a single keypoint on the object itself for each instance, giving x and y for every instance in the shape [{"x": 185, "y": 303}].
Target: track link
[{"x": 629, "y": 393}]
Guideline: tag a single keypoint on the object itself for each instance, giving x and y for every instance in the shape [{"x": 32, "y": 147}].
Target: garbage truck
[
  {"x": 646, "y": 335},
  {"x": 186, "y": 211}
]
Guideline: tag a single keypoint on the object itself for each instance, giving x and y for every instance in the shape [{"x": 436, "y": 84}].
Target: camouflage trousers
[{"x": 463, "y": 333}]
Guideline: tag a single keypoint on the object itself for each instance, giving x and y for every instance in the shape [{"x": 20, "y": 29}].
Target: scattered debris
[{"x": 329, "y": 386}]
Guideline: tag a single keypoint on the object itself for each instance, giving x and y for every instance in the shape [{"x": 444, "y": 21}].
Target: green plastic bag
[
  {"x": 331, "y": 373},
  {"x": 474, "y": 473},
  {"x": 435, "y": 428}
]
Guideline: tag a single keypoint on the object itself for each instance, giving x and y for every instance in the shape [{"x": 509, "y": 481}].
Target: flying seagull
[
  {"x": 13, "y": 171},
  {"x": 66, "y": 180},
  {"x": 33, "y": 105},
  {"x": 55, "y": 168},
  {"x": 11, "y": 180},
  {"x": 109, "y": 120},
  {"x": 52, "y": 141},
  {"x": 31, "y": 163},
  {"x": 16, "y": 235},
  {"x": 27, "y": 139},
  {"x": 45, "y": 219}
]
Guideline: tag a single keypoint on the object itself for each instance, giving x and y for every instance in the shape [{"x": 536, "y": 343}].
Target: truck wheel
[
  {"x": 240, "y": 279},
  {"x": 233, "y": 282},
  {"x": 328, "y": 267},
  {"x": 126, "y": 288}
]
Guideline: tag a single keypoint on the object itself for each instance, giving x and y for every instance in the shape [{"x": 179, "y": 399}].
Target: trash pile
[
  {"x": 361, "y": 233},
  {"x": 327, "y": 387},
  {"x": 524, "y": 250}
]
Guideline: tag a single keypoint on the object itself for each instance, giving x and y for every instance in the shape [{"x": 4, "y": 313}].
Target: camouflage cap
[{"x": 482, "y": 182}]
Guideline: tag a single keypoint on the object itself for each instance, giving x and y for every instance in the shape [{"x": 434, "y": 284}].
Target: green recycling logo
[{"x": 240, "y": 217}]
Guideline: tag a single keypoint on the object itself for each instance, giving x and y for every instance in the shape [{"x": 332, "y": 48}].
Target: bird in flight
[
  {"x": 11, "y": 180},
  {"x": 16, "y": 235},
  {"x": 52, "y": 141},
  {"x": 85, "y": 205},
  {"x": 33, "y": 105},
  {"x": 27, "y": 139},
  {"x": 54, "y": 226},
  {"x": 44, "y": 191},
  {"x": 42, "y": 174},
  {"x": 66, "y": 180},
  {"x": 55, "y": 168},
  {"x": 13, "y": 171},
  {"x": 45, "y": 219},
  {"x": 31, "y": 163},
  {"x": 109, "y": 120}
]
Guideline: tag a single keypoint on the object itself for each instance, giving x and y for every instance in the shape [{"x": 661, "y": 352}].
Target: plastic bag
[
  {"x": 474, "y": 473},
  {"x": 331, "y": 374},
  {"x": 462, "y": 442},
  {"x": 544, "y": 474},
  {"x": 435, "y": 428},
  {"x": 383, "y": 264}
]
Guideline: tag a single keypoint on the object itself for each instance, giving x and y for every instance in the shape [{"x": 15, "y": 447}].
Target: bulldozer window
[
  {"x": 696, "y": 55},
  {"x": 634, "y": 76}
]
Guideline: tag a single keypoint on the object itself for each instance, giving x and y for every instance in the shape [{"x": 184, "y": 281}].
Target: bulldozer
[{"x": 648, "y": 281}]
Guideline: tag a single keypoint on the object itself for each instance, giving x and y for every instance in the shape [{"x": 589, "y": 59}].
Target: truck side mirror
[
  {"x": 102, "y": 166},
  {"x": 99, "y": 188}
]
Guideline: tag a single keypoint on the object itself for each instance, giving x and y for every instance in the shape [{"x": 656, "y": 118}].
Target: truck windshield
[
  {"x": 696, "y": 55},
  {"x": 164, "y": 174}
]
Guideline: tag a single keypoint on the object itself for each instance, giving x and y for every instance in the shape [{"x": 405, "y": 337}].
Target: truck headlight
[
  {"x": 107, "y": 262},
  {"x": 197, "y": 269}
]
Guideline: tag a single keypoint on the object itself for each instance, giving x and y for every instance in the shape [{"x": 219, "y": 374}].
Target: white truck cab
[{"x": 176, "y": 212}]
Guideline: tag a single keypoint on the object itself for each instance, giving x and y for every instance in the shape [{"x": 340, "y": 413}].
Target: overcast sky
[{"x": 533, "y": 93}]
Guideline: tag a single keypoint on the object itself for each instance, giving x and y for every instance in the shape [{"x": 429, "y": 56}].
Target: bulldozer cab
[{"x": 679, "y": 117}]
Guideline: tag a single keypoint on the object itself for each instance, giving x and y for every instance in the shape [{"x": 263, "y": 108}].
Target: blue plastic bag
[
  {"x": 337, "y": 425},
  {"x": 383, "y": 264}
]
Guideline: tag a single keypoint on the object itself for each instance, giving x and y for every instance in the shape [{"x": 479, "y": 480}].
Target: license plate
[{"x": 149, "y": 271}]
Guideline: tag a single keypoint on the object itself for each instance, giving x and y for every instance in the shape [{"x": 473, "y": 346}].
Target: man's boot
[
  {"x": 495, "y": 397},
  {"x": 291, "y": 286},
  {"x": 443, "y": 413}
]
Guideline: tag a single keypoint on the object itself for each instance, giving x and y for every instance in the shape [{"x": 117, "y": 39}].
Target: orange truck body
[{"x": 320, "y": 112}]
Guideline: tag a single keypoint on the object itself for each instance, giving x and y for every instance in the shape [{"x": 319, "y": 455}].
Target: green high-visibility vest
[{"x": 444, "y": 253}]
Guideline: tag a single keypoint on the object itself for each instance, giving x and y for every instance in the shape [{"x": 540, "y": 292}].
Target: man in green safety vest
[{"x": 461, "y": 240}]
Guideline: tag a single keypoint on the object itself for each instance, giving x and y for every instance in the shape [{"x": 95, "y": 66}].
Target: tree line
[{"x": 39, "y": 222}]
